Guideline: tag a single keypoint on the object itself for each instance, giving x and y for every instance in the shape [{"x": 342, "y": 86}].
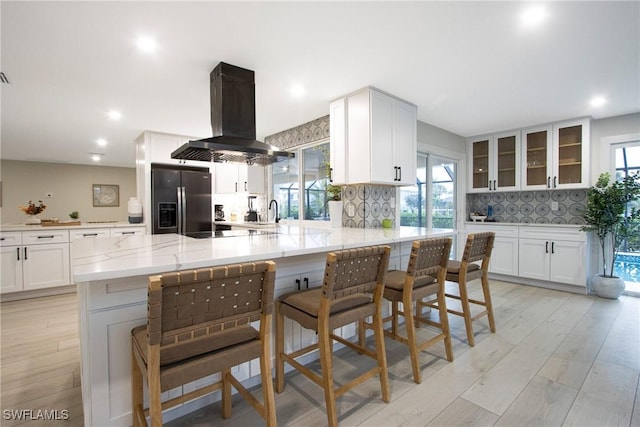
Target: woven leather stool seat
[
  {"x": 351, "y": 291},
  {"x": 199, "y": 322}
]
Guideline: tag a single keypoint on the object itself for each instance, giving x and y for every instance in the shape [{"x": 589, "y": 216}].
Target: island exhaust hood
[{"x": 233, "y": 123}]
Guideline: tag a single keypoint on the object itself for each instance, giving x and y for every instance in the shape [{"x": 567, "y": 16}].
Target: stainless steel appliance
[
  {"x": 252, "y": 215},
  {"x": 181, "y": 200}
]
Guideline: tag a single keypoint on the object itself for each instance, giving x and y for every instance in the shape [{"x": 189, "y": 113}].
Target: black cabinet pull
[
  {"x": 298, "y": 283},
  {"x": 2, "y": 238},
  {"x": 330, "y": 174},
  {"x": 548, "y": 182},
  {"x": 128, "y": 232},
  {"x": 46, "y": 237},
  {"x": 245, "y": 186},
  {"x": 546, "y": 247},
  {"x": 25, "y": 253},
  {"x": 89, "y": 234},
  {"x": 400, "y": 170},
  {"x": 553, "y": 250},
  {"x": 306, "y": 282},
  {"x": 554, "y": 181},
  {"x": 236, "y": 187},
  {"x": 18, "y": 253},
  {"x": 494, "y": 185}
]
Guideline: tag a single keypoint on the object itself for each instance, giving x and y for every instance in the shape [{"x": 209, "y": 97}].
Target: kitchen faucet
[{"x": 276, "y": 213}]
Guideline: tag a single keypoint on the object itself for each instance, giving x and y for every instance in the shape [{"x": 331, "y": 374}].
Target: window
[
  {"x": 311, "y": 203},
  {"x": 627, "y": 266},
  {"x": 434, "y": 192}
]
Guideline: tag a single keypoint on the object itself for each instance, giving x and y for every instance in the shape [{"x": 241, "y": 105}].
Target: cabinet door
[
  {"x": 226, "y": 175},
  {"x": 534, "y": 259},
  {"x": 255, "y": 180},
  {"x": 568, "y": 263},
  {"x": 405, "y": 142},
  {"x": 383, "y": 170},
  {"x": 506, "y": 162},
  {"x": 571, "y": 154},
  {"x": 46, "y": 266},
  {"x": 338, "y": 141},
  {"x": 504, "y": 256},
  {"x": 127, "y": 231},
  {"x": 479, "y": 164},
  {"x": 88, "y": 233},
  {"x": 537, "y": 159},
  {"x": 11, "y": 273}
]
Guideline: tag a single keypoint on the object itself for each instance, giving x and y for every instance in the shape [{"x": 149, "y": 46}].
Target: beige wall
[
  {"x": 71, "y": 186},
  {"x": 434, "y": 139}
]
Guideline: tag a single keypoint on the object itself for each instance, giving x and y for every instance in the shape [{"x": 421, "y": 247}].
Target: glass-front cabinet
[
  {"x": 495, "y": 163},
  {"x": 556, "y": 156}
]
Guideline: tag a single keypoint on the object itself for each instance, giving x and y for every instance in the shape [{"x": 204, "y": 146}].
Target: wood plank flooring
[{"x": 557, "y": 359}]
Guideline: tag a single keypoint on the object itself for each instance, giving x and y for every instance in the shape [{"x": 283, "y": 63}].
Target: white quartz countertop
[
  {"x": 62, "y": 225},
  {"x": 520, "y": 224},
  {"x": 117, "y": 257}
]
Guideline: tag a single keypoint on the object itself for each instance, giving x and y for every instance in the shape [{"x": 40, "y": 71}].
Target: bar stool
[
  {"x": 351, "y": 277},
  {"x": 425, "y": 276},
  {"x": 198, "y": 324},
  {"x": 477, "y": 248}
]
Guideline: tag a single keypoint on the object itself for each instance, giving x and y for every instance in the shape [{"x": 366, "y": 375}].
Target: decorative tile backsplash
[
  {"x": 312, "y": 131},
  {"x": 370, "y": 205},
  {"x": 531, "y": 206}
]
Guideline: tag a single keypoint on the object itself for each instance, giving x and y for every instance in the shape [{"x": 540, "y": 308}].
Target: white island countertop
[{"x": 117, "y": 257}]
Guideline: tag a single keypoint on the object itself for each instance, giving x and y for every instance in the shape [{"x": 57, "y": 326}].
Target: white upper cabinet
[
  {"x": 377, "y": 132},
  {"x": 232, "y": 178},
  {"x": 494, "y": 162},
  {"x": 556, "y": 156},
  {"x": 159, "y": 147}
]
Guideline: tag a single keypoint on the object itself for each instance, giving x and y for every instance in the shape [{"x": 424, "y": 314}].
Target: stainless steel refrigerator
[{"x": 181, "y": 200}]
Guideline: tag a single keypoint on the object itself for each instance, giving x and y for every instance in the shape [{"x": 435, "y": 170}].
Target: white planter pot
[
  {"x": 335, "y": 213},
  {"x": 607, "y": 287}
]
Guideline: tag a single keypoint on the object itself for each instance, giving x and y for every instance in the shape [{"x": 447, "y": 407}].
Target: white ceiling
[{"x": 470, "y": 67}]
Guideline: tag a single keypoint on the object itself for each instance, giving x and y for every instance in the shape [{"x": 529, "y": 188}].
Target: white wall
[
  {"x": 71, "y": 186},
  {"x": 602, "y": 132}
]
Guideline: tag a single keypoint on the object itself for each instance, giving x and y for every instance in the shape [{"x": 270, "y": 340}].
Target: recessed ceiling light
[
  {"x": 101, "y": 142},
  {"x": 297, "y": 91},
  {"x": 598, "y": 101},
  {"x": 96, "y": 157},
  {"x": 533, "y": 16},
  {"x": 114, "y": 115},
  {"x": 146, "y": 44}
]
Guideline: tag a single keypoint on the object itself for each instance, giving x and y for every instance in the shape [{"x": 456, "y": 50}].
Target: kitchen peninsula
[{"x": 112, "y": 276}]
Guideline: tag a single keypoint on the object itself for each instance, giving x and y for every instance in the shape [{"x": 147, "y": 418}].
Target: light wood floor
[{"x": 556, "y": 359}]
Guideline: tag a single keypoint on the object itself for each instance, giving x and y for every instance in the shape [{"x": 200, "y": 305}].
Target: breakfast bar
[{"x": 112, "y": 275}]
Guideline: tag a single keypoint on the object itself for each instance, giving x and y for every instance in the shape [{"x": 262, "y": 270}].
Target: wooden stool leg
[
  {"x": 155, "y": 405},
  {"x": 136, "y": 390},
  {"x": 279, "y": 350},
  {"x": 466, "y": 309},
  {"x": 394, "y": 317},
  {"x": 381, "y": 355},
  {"x": 411, "y": 335},
  {"x": 487, "y": 301},
  {"x": 226, "y": 394},
  {"x": 444, "y": 323},
  {"x": 267, "y": 386},
  {"x": 361, "y": 333},
  {"x": 326, "y": 364}
]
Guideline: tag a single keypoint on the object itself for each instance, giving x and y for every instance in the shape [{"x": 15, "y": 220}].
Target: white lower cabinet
[
  {"x": 41, "y": 261},
  {"x": 553, "y": 259},
  {"x": 127, "y": 231},
  {"x": 546, "y": 254},
  {"x": 504, "y": 256}
]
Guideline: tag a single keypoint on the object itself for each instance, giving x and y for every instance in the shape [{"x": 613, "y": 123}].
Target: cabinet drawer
[
  {"x": 45, "y": 236},
  {"x": 553, "y": 233},
  {"x": 10, "y": 238},
  {"x": 500, "y": 230},
  {"x": 127, "y": 231},
  {"x": 88, "y": 232}
]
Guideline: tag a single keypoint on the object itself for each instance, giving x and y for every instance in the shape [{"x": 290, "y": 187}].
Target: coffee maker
[
  {"x": 218, "y": 212},
  {"x": 252, "y": 215}
]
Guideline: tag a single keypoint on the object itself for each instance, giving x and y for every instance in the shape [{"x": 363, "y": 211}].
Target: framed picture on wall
[{"x": 106, "y": 195}]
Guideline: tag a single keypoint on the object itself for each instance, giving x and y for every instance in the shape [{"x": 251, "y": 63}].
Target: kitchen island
[{"x": 112, "y": 275}]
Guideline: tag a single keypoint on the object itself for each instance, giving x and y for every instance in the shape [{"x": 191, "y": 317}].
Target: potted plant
[
  {"x": 607, "y": 215},
  {"x": 335, "y": 204}
]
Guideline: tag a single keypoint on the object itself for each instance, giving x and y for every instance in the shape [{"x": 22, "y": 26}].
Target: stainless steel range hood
[{"x": 233, "y": 123}]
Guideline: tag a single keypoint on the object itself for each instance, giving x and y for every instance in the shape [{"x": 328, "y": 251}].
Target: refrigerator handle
[
  {"x": 179, "y": 213},
  {"x": 184, "y": 210}
]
